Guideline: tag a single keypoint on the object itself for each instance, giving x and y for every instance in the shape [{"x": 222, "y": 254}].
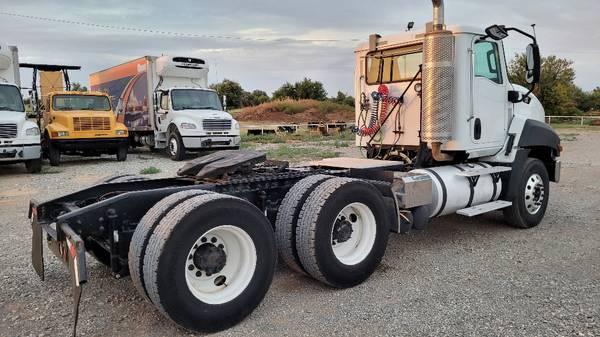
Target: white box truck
[
  {"x": 166, "y": 104},
  {"x": 19, "y": 138}
]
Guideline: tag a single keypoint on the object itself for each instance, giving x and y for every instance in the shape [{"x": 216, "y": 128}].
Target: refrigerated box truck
[{"x": 166, "y": 104}]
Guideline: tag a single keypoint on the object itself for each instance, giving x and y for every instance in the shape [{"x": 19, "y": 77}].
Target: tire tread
[{"x": 287, "y": 219}]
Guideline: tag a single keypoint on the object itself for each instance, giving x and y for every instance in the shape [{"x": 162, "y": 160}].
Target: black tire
[
  {"x": 316, "y": 224},
  {"x": 122, "y": 153},
  {"x": 143, "y": 231},
  {"x": 53, "y": 154},
  {"x": 175, "y": 147},
  {"x": 518, "y": 215},
  {"x": 34, "y": 165},
  {"x": 287, "y": 219},
  {"x": 166, "y": 260}
]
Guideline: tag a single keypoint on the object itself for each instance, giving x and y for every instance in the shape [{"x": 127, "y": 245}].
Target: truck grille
[
  {"x": 8, "y": 130},
  {"x": 91, "y": 123},
  {"x": 216, "y": 124}
]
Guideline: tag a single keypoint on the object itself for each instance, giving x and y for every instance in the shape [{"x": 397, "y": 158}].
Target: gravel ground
[{"x": 459, "y": 277}]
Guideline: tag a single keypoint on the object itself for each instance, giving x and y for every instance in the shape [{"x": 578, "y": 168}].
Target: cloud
[{"x": 563, "y": 29}]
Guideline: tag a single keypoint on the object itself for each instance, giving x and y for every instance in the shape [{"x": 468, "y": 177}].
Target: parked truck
[
  {"x": 446, "y": 133},
  {"x": 166, "y": 104},
  {"x": 19, "y": 137},
  {"x": 74, "y": 122}
]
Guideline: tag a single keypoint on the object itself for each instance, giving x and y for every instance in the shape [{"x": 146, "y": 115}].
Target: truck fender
[{"x": 539, "y": 134}]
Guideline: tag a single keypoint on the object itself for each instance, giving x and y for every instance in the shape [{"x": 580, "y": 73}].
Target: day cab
[{"x": 82, "y": 123}]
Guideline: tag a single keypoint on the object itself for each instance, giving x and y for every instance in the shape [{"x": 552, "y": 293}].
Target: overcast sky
[{"x": 568, "y": 29}]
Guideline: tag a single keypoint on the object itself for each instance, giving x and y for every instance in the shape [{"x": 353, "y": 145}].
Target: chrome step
[
  {"x": 484, "y": 171},
  {"x": 484, "y": 208}
]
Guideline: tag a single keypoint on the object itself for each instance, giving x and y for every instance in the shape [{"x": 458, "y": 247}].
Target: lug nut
[{"x": 191, "y": 267}]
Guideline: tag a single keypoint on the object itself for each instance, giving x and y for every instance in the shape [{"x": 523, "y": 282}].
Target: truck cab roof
[{"x": 416, "y": 36}]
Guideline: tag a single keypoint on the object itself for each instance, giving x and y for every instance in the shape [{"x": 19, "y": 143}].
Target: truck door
[
  {"x": 490, "y": 102},
  {"x": 162, "y": 118}
]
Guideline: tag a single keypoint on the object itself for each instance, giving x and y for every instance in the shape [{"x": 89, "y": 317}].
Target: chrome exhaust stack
[
  {"x": 438, "y": 15},
  {"x": 438, "y": 84}
]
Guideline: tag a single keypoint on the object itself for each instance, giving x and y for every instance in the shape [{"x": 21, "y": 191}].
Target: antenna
[{"x": 534, "y": 34}]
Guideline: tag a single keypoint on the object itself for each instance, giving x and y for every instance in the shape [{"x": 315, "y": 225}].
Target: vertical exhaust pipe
[
  {"x": 438, "y": 15},
  {"x": 438, "y": 82}
]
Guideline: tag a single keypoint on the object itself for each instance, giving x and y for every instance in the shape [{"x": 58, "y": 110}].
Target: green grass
[
  {"x": 286, "y": 152},
  {"x": 150, "y": 170},
  {"x": 51, "y": 170},
  {"x": 301, "y": 136}
]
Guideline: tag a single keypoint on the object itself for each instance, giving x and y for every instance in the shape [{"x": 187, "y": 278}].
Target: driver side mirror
[
  {"x": 534, "y": 64},
  {"x": 164, "y": 101}
]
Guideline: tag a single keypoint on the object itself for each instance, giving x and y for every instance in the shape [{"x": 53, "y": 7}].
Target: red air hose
[{"x": 382, "y": 95}]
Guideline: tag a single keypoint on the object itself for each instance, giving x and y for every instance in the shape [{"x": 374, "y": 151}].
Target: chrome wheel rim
[{"x": 535, "y": 194}]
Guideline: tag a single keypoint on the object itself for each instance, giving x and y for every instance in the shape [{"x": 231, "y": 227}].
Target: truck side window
[{"x": 487, "y": 61}]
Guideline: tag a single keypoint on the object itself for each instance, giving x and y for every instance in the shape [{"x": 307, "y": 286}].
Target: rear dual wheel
[
  {"x": 341, "y": 231},
  {"x": 205, "y": 260}
]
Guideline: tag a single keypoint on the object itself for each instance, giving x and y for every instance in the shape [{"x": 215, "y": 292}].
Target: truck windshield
[
  {"x": 80, "y": 102},
  {"x": 191, "y": 99},
  {"x": 10, "y": 99}
]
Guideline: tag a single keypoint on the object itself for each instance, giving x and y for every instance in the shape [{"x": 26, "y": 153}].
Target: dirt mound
[{"x": 302, "y": 111}]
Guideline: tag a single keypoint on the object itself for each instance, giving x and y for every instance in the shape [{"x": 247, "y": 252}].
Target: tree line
[
  {"x": 557, "y": 90},
  {"x": 237, "y": 97}
]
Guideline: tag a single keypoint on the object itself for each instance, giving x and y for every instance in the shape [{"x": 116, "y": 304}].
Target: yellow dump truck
[{"x": 74, "y": 122}]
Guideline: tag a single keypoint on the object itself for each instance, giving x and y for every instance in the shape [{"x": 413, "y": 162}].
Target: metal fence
[{"x": 573, "y": 120}]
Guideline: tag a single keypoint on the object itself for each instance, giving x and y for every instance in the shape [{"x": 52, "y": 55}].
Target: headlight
[
  {"x": 236, "y": 125},
  {"x": 188, "y": 126},
  {"x": 63, "y": 133},
  {"x": 32, "y": 132},
  {"x": 121, "y": 132}
]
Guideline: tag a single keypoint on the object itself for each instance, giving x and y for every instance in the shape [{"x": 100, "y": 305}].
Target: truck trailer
[
  {"x": 166, "y": 104},
  {"x": 202, "y": 246},
  {"x": 19, "y": 137}
]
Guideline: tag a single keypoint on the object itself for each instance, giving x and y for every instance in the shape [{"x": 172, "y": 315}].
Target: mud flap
[
  {"x": 68, "y": 247},
  {"x": 37, "y": 247}
]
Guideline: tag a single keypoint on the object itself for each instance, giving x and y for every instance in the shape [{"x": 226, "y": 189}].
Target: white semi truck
[
  {"x": 166, "y": 104},
  {"x": 445, "y": 130},
  {"x": 19, "y": 137}
]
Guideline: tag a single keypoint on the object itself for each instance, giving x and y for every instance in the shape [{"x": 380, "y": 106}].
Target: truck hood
[
  {"x": 12, "y": 117},
  {"x": 204, "y": 114}
]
